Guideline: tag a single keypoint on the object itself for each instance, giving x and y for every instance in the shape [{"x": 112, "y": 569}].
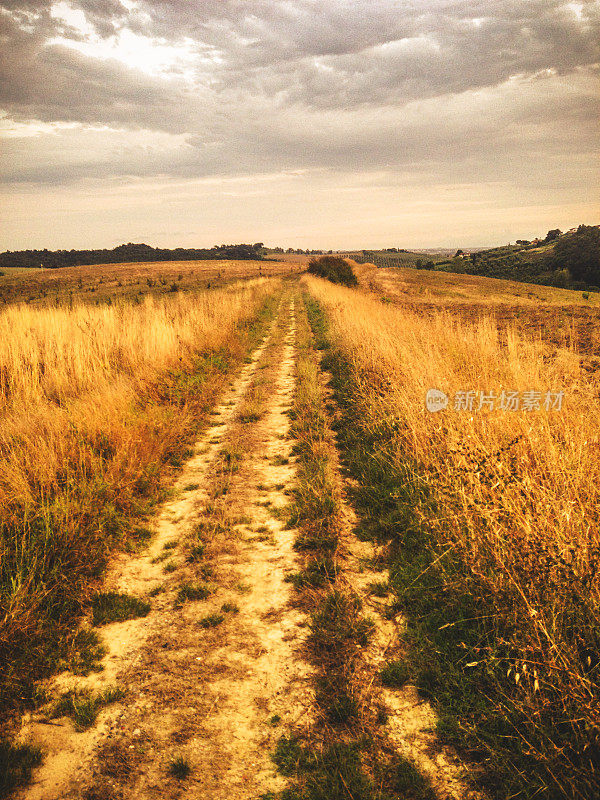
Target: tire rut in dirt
[
  {"x": 220, "y": 673},
  {"x": 68, "y": 753}
]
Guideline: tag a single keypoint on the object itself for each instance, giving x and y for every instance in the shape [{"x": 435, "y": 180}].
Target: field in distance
[
  {"x": 561, "y": 317},
  {"x": 103, "y": 283},
  {"x": 394, "y": 257}
]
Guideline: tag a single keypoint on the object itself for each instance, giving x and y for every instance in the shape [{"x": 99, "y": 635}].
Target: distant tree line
[
  {"x": 127, "y": 253},
  {"x": 572, "y": 261}
]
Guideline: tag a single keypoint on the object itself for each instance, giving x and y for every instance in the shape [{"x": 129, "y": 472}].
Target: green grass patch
[
  {"x": 337, "y": 624},
  {"x": 379, "y": 588},
  {"x": 138, "y": 538},
  {"x": 402, "y": 779},
  {"x": 85, "y": 652},
  {"x": 333, "y": 773},
  {"x": 110, "y": 607},
  {"x": 231, "y": 458},
  {"x": 318, "y": 572},
  {"x": 192, "y": 591},
  {"x": 196, "y": 553},
  {"x": 334, "y": 696},
  {"x": 83, "y": 707},
  {"x": 395, "y": 674},
  {"x": 306, "y": 540}
]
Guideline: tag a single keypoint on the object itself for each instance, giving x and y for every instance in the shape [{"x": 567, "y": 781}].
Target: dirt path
[
  {"x": 210, "y": 679},
  {"x": 217, "y": 671}
]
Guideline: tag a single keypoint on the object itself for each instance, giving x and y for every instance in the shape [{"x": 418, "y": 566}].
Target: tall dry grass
[
  {"x": 510, "y": 502},
  {"x": 94, "y": 404}
]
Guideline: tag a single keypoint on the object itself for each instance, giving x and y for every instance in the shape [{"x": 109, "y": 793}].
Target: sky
[{"x": 299, "y": 123}]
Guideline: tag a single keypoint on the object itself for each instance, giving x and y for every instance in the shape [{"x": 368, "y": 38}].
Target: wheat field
[{"x": 482, "y": 519}]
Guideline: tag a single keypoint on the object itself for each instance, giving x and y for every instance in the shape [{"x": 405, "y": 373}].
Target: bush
[
  {"x": 561, "y": 279},
  {"x": 334, "y": 268},
  {"x": 553, "y": 235}
]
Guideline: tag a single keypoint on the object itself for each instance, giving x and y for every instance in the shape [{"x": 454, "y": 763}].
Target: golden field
[
  {"x": 486, "y": 519},
  {"x": 450, "y": 289},
  {"x": 106, "y": 283},
  {"x": 95, "y": 404},
  {"x": 509, "y": 500},
  {"x": 561, "y": 317}
]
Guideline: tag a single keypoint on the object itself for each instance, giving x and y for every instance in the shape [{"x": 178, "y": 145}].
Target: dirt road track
[
  {"x": 210, "y": 694},
  {"x": 215, "y": 674}
]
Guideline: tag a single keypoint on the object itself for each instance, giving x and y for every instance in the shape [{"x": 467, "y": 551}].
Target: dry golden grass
[
  {"x": 561, "y": 318},
  {"x": 104, "y": 283},
  {"x": 449, "y": 288},
  {"x": 57, "y": 354},
  {"x": 516, "y": 494},
  {"x": 94, "y": 404}
]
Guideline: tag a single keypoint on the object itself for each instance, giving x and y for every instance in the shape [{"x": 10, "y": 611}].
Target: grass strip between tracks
[{"x": 342, "y": 756}]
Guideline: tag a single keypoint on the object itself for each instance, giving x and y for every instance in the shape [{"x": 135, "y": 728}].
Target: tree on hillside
[
  {"x": 580, "y": 254},
  {"x": 552, "y": 235}
]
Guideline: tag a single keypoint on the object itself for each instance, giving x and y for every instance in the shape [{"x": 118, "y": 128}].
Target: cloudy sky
[{"x": 305, "y": 123}]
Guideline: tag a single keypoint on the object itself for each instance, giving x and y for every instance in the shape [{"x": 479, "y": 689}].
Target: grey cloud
[
  {"x": 57, "y": 83},
  {"x": 312, "y": 84},
  {"x": 487, "y": 139},
  {"x": 436, "y": 54},
  {"x": 328, "y": 53}
]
